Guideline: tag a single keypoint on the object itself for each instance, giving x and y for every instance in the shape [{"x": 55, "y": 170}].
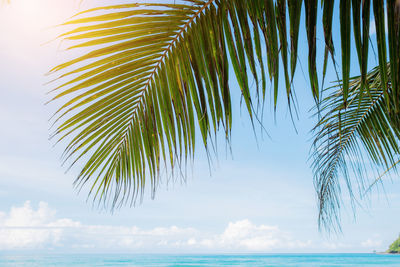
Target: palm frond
[
  {"x": 155, "y": 72},
  {"x": 350, "y": 137}
]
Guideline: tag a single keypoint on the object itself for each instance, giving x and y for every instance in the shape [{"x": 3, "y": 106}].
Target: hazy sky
[{"x": 259, "y": 199}]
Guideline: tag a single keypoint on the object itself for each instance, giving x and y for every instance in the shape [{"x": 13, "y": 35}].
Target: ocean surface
[{"x": 202, "y": 260}]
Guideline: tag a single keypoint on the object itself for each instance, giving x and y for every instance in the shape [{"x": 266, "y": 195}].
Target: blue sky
[{"x": 259, "y": 199}]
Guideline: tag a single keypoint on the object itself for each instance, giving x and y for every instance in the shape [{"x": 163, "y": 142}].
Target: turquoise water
[{"x": 308, "y": 260}]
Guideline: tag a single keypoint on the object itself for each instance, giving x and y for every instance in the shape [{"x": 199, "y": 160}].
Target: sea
[{"x": 306, "y": 260}]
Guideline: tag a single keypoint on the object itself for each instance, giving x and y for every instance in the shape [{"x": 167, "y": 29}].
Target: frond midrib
[
  {"x": 156, "y": 68},
  {"x": 167, "y": 50},
  {"x": 348, "y": 137}
]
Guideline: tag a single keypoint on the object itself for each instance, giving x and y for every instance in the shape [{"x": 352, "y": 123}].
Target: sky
[{"x": 259, "y": 198}]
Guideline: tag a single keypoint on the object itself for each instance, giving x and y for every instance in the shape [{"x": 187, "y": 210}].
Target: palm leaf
[
  {"x": 311, "y": 21},
  {"x": 348, "y": 138},
  {"x": 294, "y": 7},
  {"x": 155, "y": 72}
]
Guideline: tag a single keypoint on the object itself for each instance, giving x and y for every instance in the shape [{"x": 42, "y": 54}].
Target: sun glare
[
  {"x": 27, "y": 24},
  {"x": 36, "y": 15}
]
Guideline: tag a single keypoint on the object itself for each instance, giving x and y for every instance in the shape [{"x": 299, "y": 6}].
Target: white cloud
[
  {"x": 27, "y": 228},
  {"x": 244, "y": 235},
  {"x": 371, "y": 243}
]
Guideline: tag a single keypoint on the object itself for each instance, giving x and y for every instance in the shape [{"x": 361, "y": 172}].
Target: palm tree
[{"x": 157, "y": 71}]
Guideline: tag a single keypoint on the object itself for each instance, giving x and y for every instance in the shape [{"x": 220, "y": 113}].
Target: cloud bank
[{"x": 27, "y": 228}]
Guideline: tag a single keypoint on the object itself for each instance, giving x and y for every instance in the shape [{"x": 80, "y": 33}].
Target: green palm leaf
[
  {"x": 155, "y": 72},
  {"x": 348, "y": 138}
]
